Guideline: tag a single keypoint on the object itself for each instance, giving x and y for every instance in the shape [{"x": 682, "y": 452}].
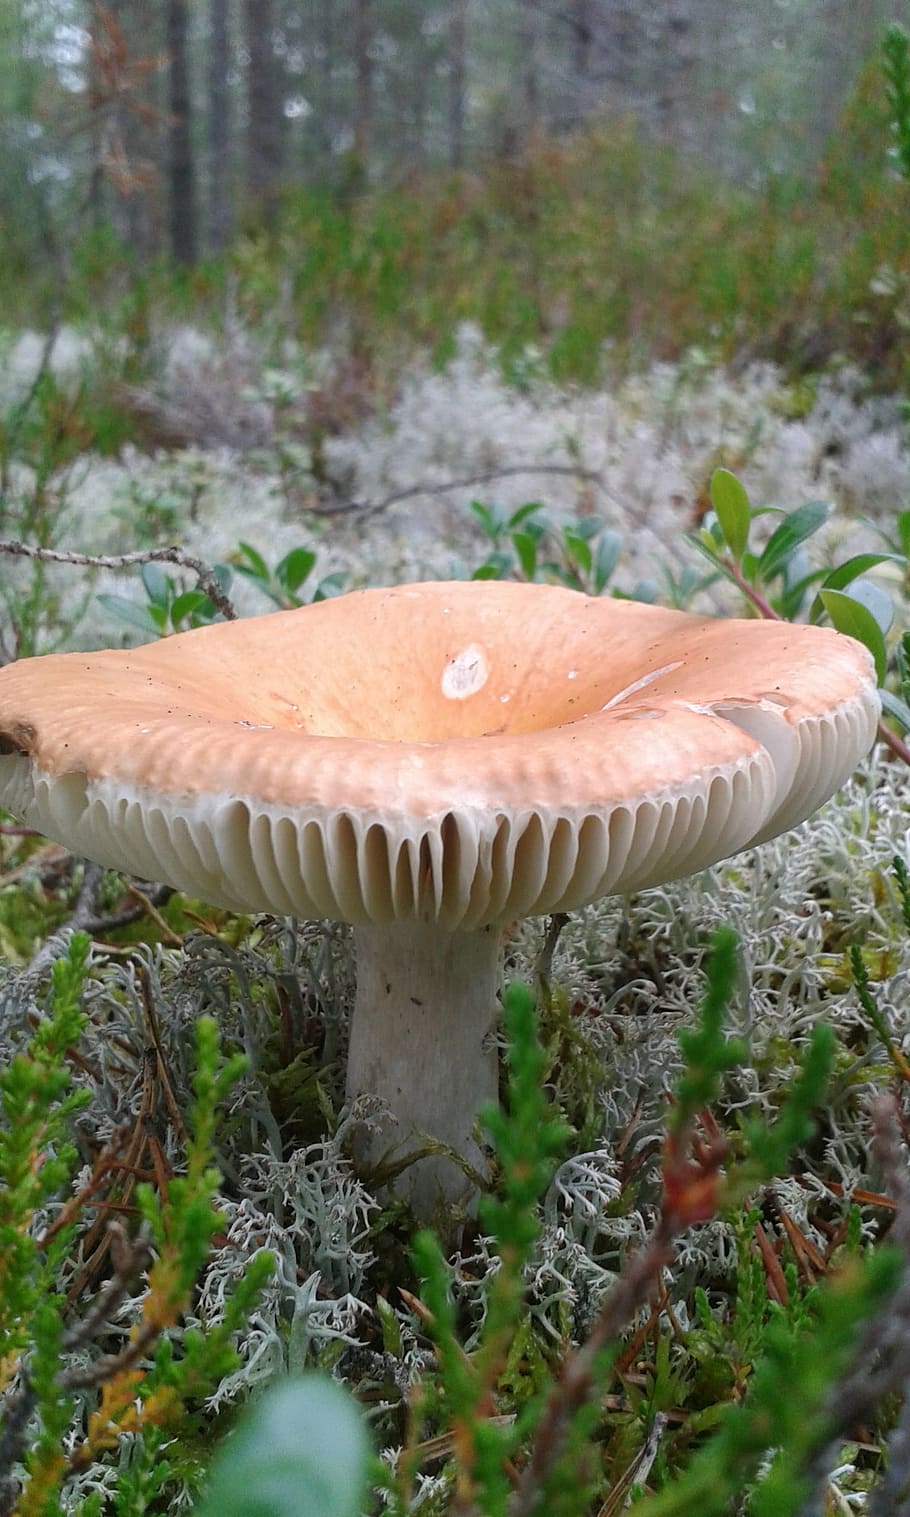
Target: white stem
[{"x": 422, "y": 1040}]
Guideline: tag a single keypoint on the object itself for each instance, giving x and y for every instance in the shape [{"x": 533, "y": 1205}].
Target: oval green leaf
[
  {"x": 294, "y": 568},
  {"x": 876, "y": 600},
  {"x": 158, "y": 585},
  {"x": 849, "y": 616},
  {"x": 793, "y": 530},
  {"x": 127, "y": 611},
  {"x": 256, "y": 564},
  {"x": 731, "y": 505},
  {"x": 848, "y": 571},
  {"x": 896, "y": 707},
  {"x": 300, "y": 1451}
]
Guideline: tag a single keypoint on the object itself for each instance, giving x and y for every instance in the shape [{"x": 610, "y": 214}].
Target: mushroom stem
[{"x": 421, "y": 1039}]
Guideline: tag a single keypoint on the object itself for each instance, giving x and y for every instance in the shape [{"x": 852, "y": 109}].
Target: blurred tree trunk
[
  {"x": 867, "y": 23},
  {"x": 327, "y": 103},
  {"x": 265, "y": 108},
  {"x": 363, "y": 65},
  {"x": 131, "y": 109},
  {"x": 582, "y": 23},
  {"x": 219, "y": 127},
  {"x": 528, "y": 67},
  {"x": 676, "y": 78},
  {"x": 183, "y": 197},
  {"x": 457, "y": 75},
  {"x": 94, "y": 199}
]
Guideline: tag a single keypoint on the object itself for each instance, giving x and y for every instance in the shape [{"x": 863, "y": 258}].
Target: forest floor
[{"x": 382, "y": 495}]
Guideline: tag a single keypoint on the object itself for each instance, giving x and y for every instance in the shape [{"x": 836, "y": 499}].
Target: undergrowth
[
  {"x": 645, "y": 1315},
  {"x": 673, "y": 1398},
  {"x": 79, "y": 1382}
]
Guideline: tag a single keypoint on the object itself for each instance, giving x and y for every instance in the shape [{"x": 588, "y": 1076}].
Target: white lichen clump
[{"x": 650, "y": 442}]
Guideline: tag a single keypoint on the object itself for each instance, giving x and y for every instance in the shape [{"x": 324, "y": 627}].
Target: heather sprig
[{"x": 142, "y": 1388}]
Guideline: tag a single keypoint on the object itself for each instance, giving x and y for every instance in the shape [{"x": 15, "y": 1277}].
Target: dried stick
[
  {"x": 84, "y": 911},
  {"x": 205, "y": 576},
  {"x": 364, "y": 508}
]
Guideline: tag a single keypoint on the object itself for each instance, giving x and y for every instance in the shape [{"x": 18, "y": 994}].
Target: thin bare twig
[
  {"x": 130, "y": 1256},
  {"x": 366, "y": 508},
  {"x": 205, "y": 575},
  {"x": 83, "y": 912},
  {"x": 14, "y": 1440}
]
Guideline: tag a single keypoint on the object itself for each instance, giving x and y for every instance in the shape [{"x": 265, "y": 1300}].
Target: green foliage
[
  {"x": 36, "y": 1157},
  {"x": 283, "y": 584},
  {"x": 582, "y": 555},
  {"x": 707, "y": 1053},
  {"x": 778, "y": 581},
  {"x": 557, "y": 1422},
  {"x": 301, "y": 1451},
  {"x": 896, "y": 67},
  {"x": 778, "y": 1426},
  {"x": 168, "y": 607},
  {"x": 527, "y": 1137},
  {"x": 571, "y": 260},
  {"x": 151, "y": 1385}
]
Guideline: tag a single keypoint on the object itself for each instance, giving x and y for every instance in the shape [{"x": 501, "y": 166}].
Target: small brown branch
[
  {"x": 157, "y": 895},
  {"x": 14, "y": 1440},
  {"x": 765, "y": 610},
  {"x": 691, "y": 1168},
  {"x": 881, "y": 1359},
  {"x": 148, "y": 908},
  {"x": 205, "y": 576},
  {"x": 84, "y": 1377},
  {"x": 130, "y": 1257},
  {"x": 366, "y": 508},
  {"x": 107, "y": 1160},
  {"x": 543, "y": 964},
  {"x": 83, "y": 912},
  {"x": 891, "y": 740}
]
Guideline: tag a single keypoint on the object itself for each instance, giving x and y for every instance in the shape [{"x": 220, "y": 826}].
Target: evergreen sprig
[
  {"x": 896, "y": 66},
  {"x": 527, "y": 1135},
  {"x": 783, "y": 1420},
  {"x": 152, "y": 1383}
]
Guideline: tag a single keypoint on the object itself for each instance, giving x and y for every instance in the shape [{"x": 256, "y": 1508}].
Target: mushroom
[{"x": 431, "y": 763}]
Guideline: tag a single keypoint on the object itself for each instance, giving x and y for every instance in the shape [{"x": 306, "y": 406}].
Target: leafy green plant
[
  {"x": 283, "y": 583},
  {"x": 539, "y": 1457},
  {"x": 525, "y": 544},
  {"x": 896, "y": 67},
  {"x": 168, "y": 607},
  {"x": 147, "y": 1386},
  {"x": 778, "y": 582},
  {"x": 300, "y": 1451}
]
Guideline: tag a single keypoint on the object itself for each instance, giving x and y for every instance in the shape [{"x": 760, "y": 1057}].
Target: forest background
[{"x": 341, "y": 292}]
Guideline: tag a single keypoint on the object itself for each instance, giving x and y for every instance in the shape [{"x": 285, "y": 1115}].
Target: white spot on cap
[{"x": 465, "y": 674}]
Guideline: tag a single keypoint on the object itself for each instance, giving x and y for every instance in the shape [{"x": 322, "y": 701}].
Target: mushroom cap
[{"x": 465, "y": 753}]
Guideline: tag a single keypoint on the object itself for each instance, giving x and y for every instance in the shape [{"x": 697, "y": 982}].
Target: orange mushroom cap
[{"x": 465, "y": 753}]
